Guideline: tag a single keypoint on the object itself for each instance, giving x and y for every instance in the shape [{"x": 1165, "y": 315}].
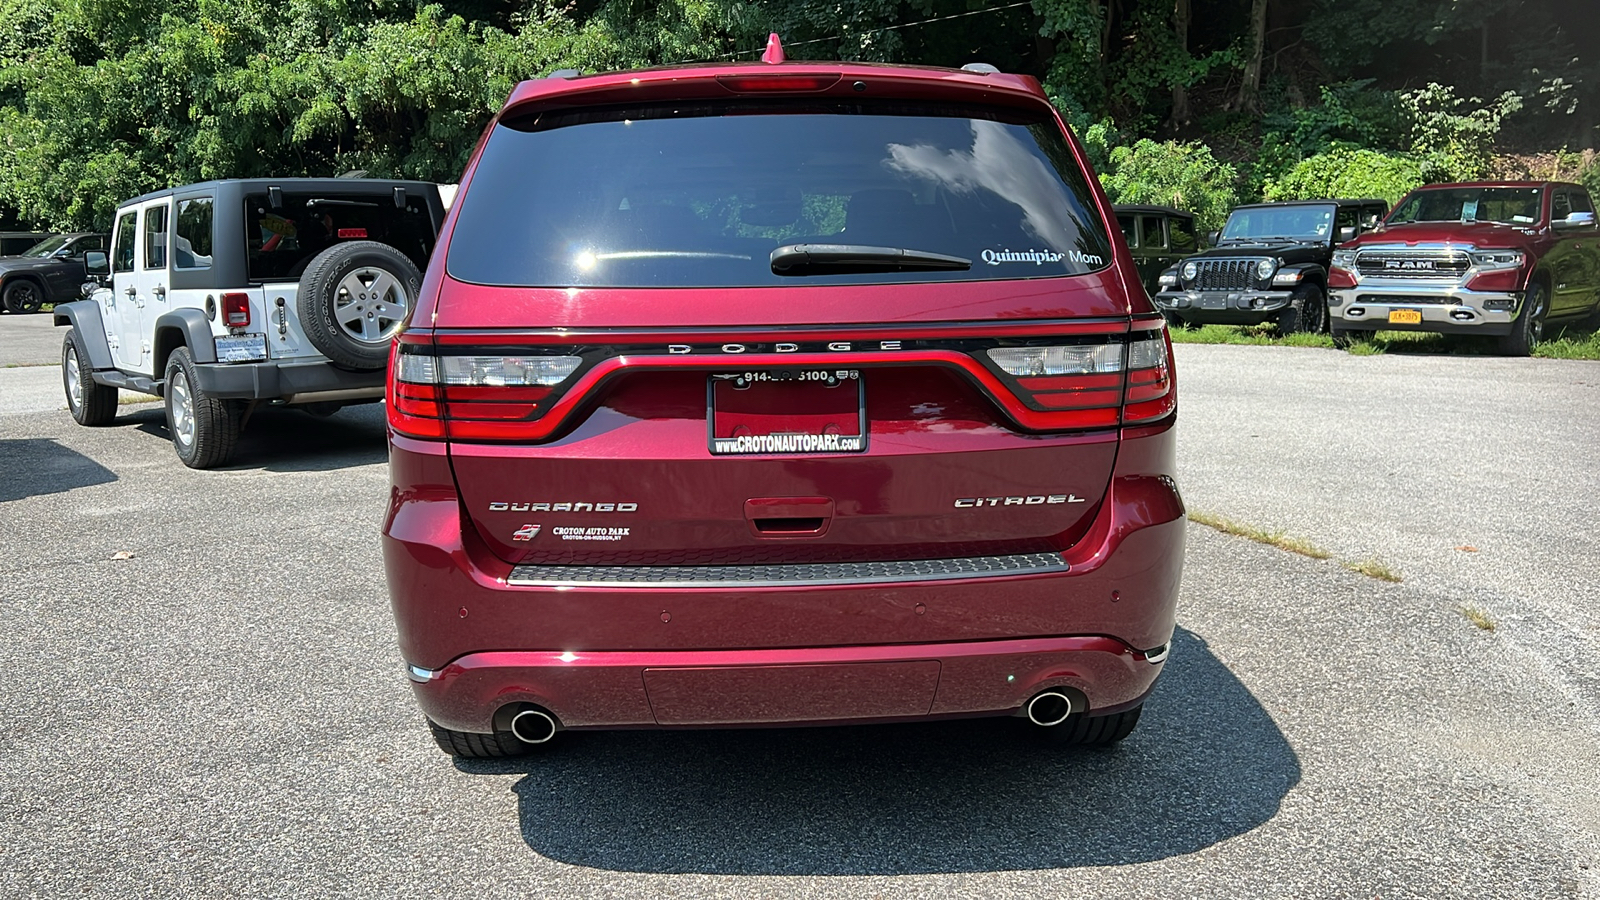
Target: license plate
[
  {"x": 242, "y": 348},
  {"x": 787, "y": 411},
  {"x": 1405, "y": 316}
]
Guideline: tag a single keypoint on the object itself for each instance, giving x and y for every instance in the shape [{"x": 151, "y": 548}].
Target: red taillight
[
  {"x": 236, "y": 310},
  {"x": 1149, "y": 394},
  {"x": 748, "y": 84},
  {"x": 1095, "y": 384},
  {"x": 472, "y": 397}
]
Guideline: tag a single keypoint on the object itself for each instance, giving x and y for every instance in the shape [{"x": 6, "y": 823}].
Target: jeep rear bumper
[
  {"x": 289, "y": 381},
  {"x": 1445, "y": 309}
]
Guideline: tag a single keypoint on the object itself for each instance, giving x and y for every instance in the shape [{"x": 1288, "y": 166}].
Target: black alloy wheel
[{"x": 23, "y": 296}]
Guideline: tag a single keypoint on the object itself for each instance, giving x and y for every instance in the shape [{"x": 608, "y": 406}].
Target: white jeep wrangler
[{"x": 229, "y": 294}]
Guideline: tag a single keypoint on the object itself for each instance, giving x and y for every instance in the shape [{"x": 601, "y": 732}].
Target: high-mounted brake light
[
  {"x": 473, "y": 397},
  {"x": 751, "y": 84},
  {"x": 236, "y": 310}
]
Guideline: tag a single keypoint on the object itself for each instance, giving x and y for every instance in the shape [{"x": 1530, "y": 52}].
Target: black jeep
[{"x": 1269, "y": 264}]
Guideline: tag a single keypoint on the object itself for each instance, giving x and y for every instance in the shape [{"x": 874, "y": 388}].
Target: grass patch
[
  {"x": 133, "y": 398},
  {"x": 1478, "y": 618},
  {"x": 1260, "y": 535},
  {"x": 1567, "y": 343},
  {"x": 1570, "y": 343},
  {"x": 1255, "y": 335},
  {"x": 1373, "y": 567}
]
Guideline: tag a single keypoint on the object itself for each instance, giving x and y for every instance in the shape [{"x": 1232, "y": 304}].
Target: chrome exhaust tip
[
  {"x": 1049, "y": 708},
  {"x": 533, "y": 726}
]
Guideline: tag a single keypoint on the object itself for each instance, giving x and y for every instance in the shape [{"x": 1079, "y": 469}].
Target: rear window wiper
[{"x": 802, "y": 259}]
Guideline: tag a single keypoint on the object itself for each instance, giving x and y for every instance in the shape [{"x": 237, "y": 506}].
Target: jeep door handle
[
  {"x": 159, "y": 291},
  {"x": 131, "y": 291}
]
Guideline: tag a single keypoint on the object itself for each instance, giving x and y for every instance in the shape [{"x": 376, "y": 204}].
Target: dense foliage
[{"x": 1196, "y": 105}]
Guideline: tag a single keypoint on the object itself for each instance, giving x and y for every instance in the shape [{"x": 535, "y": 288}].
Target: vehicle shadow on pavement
[
  {"x": 288, "y": 440},
  {"x": 1206, "y": 763},
  {"x": 36, "y": 466}
]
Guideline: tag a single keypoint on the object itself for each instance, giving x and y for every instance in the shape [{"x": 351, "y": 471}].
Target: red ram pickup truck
[{"x": 1493, "y": 258}]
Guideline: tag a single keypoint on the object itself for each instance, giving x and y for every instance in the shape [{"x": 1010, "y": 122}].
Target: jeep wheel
[
  {"x": 89, "y": 402},
  {"x": 1307, "y": 312},
  {"x": 1089, "y": 731},
  {"x": 204, "y": 429},
  {"x": 1528, "y": 329},
  {"x": 23, "y": 296},
  {"x": 354, "y": 298}
]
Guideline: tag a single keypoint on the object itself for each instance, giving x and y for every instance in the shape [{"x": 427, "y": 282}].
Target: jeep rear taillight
[
  {"x": 236, "y": 310},
  {"x": 470, "y": 396}
]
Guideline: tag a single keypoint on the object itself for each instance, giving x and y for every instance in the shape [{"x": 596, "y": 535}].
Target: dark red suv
[{"x": 771, "y": 394}]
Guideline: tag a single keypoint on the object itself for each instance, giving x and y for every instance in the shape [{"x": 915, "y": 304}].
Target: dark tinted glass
[
  {"x": 1580, "y": 201},
  {"x": 127, "y": 239},
  {"x": 1126, "y": 224},
  {"x": 191, "y": 247},
  {"x": 1150, "y": 233},
  {"x": 281, "y": 242},
  {"x": 1182, "y": 230},
  {"x": 155, "y": 237},
  {"x": 1560, "y": 206},
  {"x": 702, "y": 196}
]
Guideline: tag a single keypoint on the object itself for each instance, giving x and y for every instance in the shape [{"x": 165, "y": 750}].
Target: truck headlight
[
  {"x": 1491, "y": 260},
  {"x": 1190, "y": 270},
  {"x": 1265, "y": 268},
  {"x": 1344, "y": 259}
]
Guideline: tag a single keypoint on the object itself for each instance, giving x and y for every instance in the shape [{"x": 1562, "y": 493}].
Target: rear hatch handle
[{"x": 789, "y": 517}]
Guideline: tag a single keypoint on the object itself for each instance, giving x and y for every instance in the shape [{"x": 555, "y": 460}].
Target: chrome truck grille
[{"x": 1448, "y": 265}]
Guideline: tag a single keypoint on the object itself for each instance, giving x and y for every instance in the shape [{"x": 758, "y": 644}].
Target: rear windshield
[
  {"x": 702, "y": 196},
  {"x": 280, "y": 242}
]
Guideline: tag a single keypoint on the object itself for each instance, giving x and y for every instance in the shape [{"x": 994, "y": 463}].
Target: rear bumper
[
  {"x": 1445, "y": 309},
  {"x": 288, "y": 380},
  {"x": 650, "y": 689},
  {"x": 1249, "y": 307},
  {"x": 618, "y": 655}
]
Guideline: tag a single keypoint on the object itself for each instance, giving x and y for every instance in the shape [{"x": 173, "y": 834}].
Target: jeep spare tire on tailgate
[{"x": 353, "y": 300}]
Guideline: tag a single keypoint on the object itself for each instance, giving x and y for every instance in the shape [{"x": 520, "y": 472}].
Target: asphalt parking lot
[{"x": 222, "y": 712}]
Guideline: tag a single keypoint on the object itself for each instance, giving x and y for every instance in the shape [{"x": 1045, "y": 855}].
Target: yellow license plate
[{"x": 1405, "y": 316}]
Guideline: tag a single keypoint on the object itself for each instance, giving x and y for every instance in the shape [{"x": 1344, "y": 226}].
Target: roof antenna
[{"x": 774, "y": 54}]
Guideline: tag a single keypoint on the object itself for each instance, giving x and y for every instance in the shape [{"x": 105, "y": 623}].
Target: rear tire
[
  {"x": 205, "y": 429},
  {"x": 1528, "y": 329},
  {"x": 1307, "y": 312},
  {"x": 90, "y": 403},
  {"x": 1092, "y": 731},
  {"x": 471, "y": 745}
]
